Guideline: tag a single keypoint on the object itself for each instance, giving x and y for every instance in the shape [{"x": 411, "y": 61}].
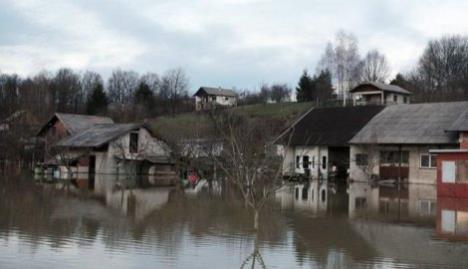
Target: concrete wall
[
  {"x": 315, "y": 153},
  {"x": 106, "y": 161},
  {"x": 416, "y": 173}
]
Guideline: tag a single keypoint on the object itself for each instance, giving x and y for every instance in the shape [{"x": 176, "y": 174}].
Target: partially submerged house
[
  {"x": 317, "y": 143},
  {"x": 376, "y": 93},
  {"x": 207, "y": 98},
  {"x": 93, "y": 147},
  {"x": 395, "y": 143},
  {"x": 62, "y": 125}
]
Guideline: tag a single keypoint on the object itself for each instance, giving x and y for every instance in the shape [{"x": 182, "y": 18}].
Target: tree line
[
  {"x": 126, "y": 94},
  {"x": 441, "y": 73}
]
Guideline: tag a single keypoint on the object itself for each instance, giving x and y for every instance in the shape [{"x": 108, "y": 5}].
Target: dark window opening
[
  {"x": 324, "y": 162},
  {"x": 133, "y": 142},
  {"x": 362, "y": 159},
  {"x": 298, "y": 161},
  {"x": 395, "y": 98},
  {"x": 304, "y": 193},
  {"x": 305, "y": 162},
  {"x": 393, "y": 157}
]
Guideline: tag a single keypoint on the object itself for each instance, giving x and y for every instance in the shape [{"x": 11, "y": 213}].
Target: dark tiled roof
[
  {"x": 333, "y": 126},
  {"x": 97, "y": 136},
  {"x": 216, "y": 91},
  {"x": 413, "y": 124},
  {"x": 75, "y": 123},
  {"x": 382, "y": 86}
]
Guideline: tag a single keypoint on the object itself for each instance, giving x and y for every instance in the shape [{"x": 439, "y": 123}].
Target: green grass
[{"x": 284, "y": 113}]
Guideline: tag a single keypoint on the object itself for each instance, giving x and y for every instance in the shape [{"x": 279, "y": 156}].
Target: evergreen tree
[
  {"x": 304, "y": 88},
  {"x": 144, "y": 100},
  {"x": 97, "y": 101},
  {"x": 322, "y": 87}
]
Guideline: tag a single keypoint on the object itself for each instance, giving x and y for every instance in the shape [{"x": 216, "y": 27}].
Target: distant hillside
[{"x": 184, "y": 125}]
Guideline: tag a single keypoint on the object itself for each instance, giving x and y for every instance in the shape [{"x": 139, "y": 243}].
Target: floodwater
[{"x": 127, "y": 224}]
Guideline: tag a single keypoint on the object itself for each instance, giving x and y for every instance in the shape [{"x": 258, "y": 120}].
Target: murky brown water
[{"x": 320, "y": 225}]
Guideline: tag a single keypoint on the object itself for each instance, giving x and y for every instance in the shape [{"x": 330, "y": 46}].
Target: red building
[{"x": 452, "y": 164}]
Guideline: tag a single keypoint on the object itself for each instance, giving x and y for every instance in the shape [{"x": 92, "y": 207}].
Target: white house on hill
[
  {"x": 375, "y": 93},
  {"x": 207, "y": 98}
]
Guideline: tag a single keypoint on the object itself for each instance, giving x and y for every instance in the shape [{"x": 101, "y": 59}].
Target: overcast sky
[{"x": 228, "y": 43}]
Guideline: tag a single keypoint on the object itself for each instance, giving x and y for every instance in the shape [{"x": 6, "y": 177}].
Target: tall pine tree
[
  {"x": 304, "y": 88},
  {"x": 97, "y": 101}
]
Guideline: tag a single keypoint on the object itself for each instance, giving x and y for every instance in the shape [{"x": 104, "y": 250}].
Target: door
[{"x": 91, "y": 171}]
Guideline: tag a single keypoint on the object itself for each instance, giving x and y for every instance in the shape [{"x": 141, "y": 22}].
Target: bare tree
[
  {"x": 442, "y": 72},
  {"x": 89, "y": 82},
  {"x": 280, "y": 92},
  {"x": 121, "y": 86},
  {"x": 343, "y": 61},
  {"x": 174, "y": 87},
  {"x": 66, "y": 88},
  {"x": 375, "y": 67},
  {"x": 244, "y": 160},
  {"x": 153, "y": 82}
]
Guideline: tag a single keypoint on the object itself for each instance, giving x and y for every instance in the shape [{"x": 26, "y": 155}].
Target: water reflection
[{"x": 128, "y": 223}]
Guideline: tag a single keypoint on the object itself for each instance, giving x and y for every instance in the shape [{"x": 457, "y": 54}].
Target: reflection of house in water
[
  {"x": 314, "y": 196},
  {"x": 129, "y": 196},
  {"x": 409, "y": 204},
  {"x": 452, "y": 219},
  {"x": 133, "y": 197}
]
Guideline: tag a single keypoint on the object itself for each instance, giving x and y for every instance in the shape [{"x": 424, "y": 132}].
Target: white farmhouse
[
  {"x": 207, "y": 98},
  {"x": 376, "y": 93}
]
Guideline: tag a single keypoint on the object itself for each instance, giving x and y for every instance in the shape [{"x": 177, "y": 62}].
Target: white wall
[
  {"x": 416, "y": 173},
  {"x": 147, "y": 146},
  {"x": 315, "y": 153}
]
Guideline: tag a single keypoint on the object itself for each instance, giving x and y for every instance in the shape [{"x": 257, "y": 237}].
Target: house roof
[
  {"x": 215, "y": 91},
  {"x": 412, "y": 124},
  {"x": 75, "y": 123},
  {"x": 460, "y": 124},
  {"x": 382, "y": 86},
  {"x": 98, "y": 135},
  {"x": 332, "y": 126}
]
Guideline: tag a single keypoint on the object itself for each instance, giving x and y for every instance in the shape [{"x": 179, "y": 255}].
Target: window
[
  {"x": 393, "y": 157},
  {"x": 361, "y": 159},
  {"x": 133, "y": 142},
  {"x": 213, "y": 98},
  {"x": 324, "y": 162},
  {"x": 395, "y": 98},
  {"x": 305, "y": 162},
  {"x": 405, "y": 99},
  {"x": 448, "y": 172},
  {"x": 226, "y": 98},
  {"x": 305, "y": 194},
  {"x": 428, "y": 161},
  {"x": 298, "y": 161},
  {"x": 360, "y": 202}
]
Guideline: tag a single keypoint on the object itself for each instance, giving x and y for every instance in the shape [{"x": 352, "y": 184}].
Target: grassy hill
[{"x": 184, "y": 125}]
